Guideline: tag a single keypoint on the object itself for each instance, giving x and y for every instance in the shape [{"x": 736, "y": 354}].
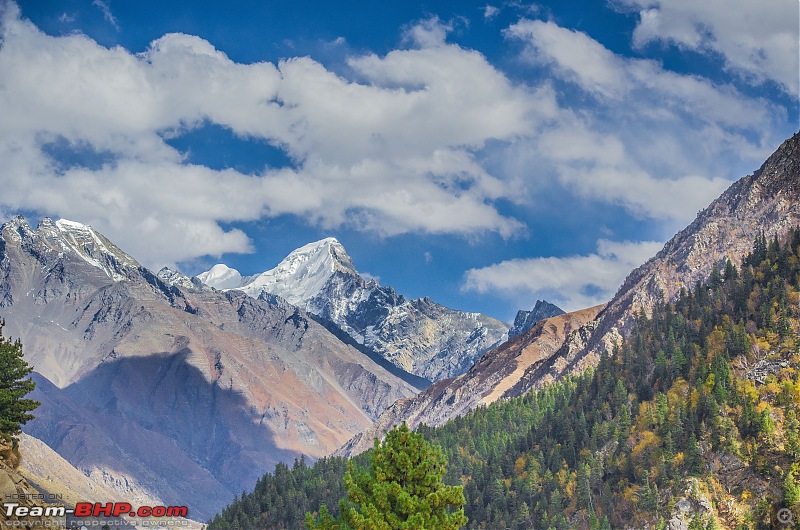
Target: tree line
[{"x": 708, "y": 380}]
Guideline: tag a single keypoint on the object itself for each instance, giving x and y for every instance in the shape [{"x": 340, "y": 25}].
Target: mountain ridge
[
  {"x": 419, "y": 336},
  {"x": 487, "y": 381},
  {"x": 251, "y": 382},
  {"x": 766, "y": 201}
]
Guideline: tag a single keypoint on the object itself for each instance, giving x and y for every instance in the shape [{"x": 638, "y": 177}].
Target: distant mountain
[
  {"x": 766, "y": 202},
  {"x": 161, "y": 385},
  {"x": 419, "y": 336},
  {"x": 525, "y": 320},
  {"x": 497, "y": 371}
]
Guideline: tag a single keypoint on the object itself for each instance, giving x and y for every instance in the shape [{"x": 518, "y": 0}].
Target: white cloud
[
  {"x": 758, "y": 40},
  {"x": 392, "y": 152},
  {"x": 426, "y": 139},
  {"x": 628, "y": 132},
  {"x": 661, "y": 144},
  {"x": 573, "y": 282},
  {"x": 107, "y": 14},
  {"x": 578, "y": 58},
  {"x": 428, "y": 33},
  {"x": 490, "y": 11}
]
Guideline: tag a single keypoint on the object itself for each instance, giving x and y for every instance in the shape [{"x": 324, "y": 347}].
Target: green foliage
[
  {"x": 612, "y": 447},
  {"x": 14, "y": 409},
  {"x": 401, "y": 489},
  {"x": 281, "y": 499}
]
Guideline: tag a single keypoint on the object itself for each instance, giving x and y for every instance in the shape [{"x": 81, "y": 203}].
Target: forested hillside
[{"x": 691, "y": 421}]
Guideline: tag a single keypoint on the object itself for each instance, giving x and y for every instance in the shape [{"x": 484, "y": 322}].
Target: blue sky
[{"x": 484, "y": 154}]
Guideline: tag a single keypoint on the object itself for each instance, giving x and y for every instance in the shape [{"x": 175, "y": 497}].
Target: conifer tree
[
  {"x": 14, "y": 387},
  {"x": 402, "y": 489}
]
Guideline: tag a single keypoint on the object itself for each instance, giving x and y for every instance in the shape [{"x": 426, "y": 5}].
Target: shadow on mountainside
[{"x": 156, "y": 421}]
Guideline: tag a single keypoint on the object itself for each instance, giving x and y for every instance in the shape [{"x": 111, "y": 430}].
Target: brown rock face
[
  {"x": 496, "y": 374},
  {"x": 767, "y": 201},
  {"x": 187, "y": 395}
]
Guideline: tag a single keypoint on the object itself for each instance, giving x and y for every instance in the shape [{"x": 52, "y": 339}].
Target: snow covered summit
[
  {"x": 301, "y": 276},
  {"x": 221, "y": 277},
  {"x": 419, "y": 336}
]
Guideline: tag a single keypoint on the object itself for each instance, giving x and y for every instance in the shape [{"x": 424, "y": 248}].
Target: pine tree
[
  {"x": 402, "y": 489},
  {"x": 696, "y": 523},
  {"x": 13, "y": 388}
]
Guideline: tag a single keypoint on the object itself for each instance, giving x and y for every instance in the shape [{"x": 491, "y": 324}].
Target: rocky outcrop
[
  {"x": 525, "y": 320},
  {"x": 155, "y": 385},
  {"x": 499, "y": 373},
  {"x": 15, "y": 489}
]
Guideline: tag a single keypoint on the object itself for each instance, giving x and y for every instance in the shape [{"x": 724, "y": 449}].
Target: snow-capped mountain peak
[
  {"x": 91, "y": 246},
  {"x": 298, "y": 278},
  {"x": 419, "y": 336},
  {"x": 303, "y": 273},
  {"x": 222, "y": 277}
]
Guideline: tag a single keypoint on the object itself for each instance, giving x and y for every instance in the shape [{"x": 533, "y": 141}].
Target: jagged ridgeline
[{"x": 691, "y": 423}]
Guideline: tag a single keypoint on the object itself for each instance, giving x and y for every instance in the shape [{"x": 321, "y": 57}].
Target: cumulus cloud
[
  {"x": 392, "y": 151},
  {"x": 429, "y": 138},
  {"x": 572, "y": 282},
  {"x": 639, "y": 136},
  {"x": 758, "y": 40}
]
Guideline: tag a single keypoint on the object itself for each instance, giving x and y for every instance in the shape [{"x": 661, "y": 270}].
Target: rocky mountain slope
[
  {"x": 419, "y": 336},
  {"x": 490, "y": 379},
  {"x": 160, "y": 385},
  {"x": 767, "y": 201},
  {"x": 15, "y": 488},
  {"x": 47, "y": 471}
]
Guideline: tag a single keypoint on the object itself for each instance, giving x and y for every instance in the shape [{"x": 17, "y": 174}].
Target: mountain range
[
  {"x": 149, "y": 382},
  {"x": 765, "y": 203},
  {"x": 152, "y": 386},
  {"x": 420, "y": 336}
]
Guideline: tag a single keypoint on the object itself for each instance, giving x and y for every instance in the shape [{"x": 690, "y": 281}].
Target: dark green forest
[{"x": 695, "y": 413}]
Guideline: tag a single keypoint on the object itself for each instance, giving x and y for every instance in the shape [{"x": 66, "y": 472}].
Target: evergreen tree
[
  {"x": 402, "y": 489},
  {"x": 596, "y": 446},
  {"x": 14, "y": 408}
]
